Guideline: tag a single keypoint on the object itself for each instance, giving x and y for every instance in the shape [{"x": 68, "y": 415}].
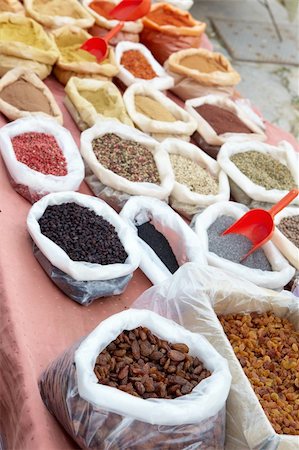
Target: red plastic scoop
[
  {"x": 99, "y": 46},
  {"x": 130, "y": 10},
  {"x": 257, "y": 225}
]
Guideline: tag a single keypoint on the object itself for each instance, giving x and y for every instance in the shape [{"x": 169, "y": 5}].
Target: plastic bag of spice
[
  {"x": 123, "y": 162},
  {"x": 136, "y": 63},
  {"x": 167, "y": 29},
  {"x": 199, "y": 181},
  {"x": 220, "y": 120},
  {"x": 41, "y": 157},
  {"x": 266, "y": 267},
  {"x": 260, "y": 172},
  {"x": 157, "y": 255},
  {"x": 157, "y": 115},
  {"x": 99, "y": 258},
  {"x": 99, "y": 416},
  {"x": 286, "y": 234},
  {"x": 186, "y": 299}
]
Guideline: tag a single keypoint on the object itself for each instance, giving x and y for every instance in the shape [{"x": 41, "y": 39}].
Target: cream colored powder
[
  {"x": 103, "y": 102},
  {"x": 202, "y": 64},
  {"x": 57, "y": 8},
  {"x": 153, "y": 109}
]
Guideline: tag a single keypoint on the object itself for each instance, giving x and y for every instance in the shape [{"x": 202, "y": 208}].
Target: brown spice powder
[
  {"x": 202, "y": 63},
  {"x": 153, "y": 109},
  {"x": 222, "y": 120}
]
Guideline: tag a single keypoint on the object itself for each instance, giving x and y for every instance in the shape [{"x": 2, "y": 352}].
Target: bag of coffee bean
[
  {"x": 199, "y": 180},
  {"x": 119, "y": 388},
  {"x": 286, "y": 234},
  {"x": 264, "y": 338},
  {"x": 83, "y": 245},
  {"x": 220, "y": 120},
  {"x": 155, "y": 114},
  {"x": 41, "y": 157},
  {"x": 121, "y": 162},
  {"x": 260, "y": 172},
  {"x": 165, "y": 240},
  {"x": 266, "y": 267}
]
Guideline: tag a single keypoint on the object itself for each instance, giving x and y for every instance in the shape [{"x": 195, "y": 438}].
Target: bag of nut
[
  {"x": 83, "y": 245},
  {"x": 260, "y": 341},
  {"x": 140, "y": 381}
]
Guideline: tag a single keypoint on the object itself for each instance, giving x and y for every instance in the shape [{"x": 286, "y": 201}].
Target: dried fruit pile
[
  {"x": 267, "y": 347},
  {"x": 141, "y": 364}
]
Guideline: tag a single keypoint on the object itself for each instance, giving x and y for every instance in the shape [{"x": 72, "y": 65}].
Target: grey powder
[{"x": 234, "y": 246}]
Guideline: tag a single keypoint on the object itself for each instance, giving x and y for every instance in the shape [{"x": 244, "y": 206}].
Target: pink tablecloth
[{"x": 38, "y": 321}]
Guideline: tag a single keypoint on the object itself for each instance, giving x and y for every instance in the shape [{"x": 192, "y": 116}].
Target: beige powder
[
  {"x": 153, "y": 109},
  {"x": 202, "y": 64},
  {"x": 57, "y": 8}
]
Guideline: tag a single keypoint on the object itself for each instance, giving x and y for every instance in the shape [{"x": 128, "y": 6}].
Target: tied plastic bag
[
  {"x": 281, "y": 272},
  {"x": 287, "y": 248},
  {"x": 30, "y": 183},
  {"x": 83, "y": 281},
  {"x": 243, "y": 189},
  {"x": 182, "y": 198},
  {"x": 183, "y": 241},
  {"x": 209, "y": 134},
  {"x": 187, "y": 298},
  {"x": 182, "y": 127},
  {"x": 161, "y": 81},
  {"x": 101, "y": 417},
  {"x": 113, "y": 188}
]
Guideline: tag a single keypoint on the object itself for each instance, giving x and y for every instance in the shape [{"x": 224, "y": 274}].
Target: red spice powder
[
  {"x": 40, "y": 152},
  {"x": 136, "y": 63},
  {"x": 164, "y": 15},
  {"x": 222, "y": 120},
  {"x": 102, "y": 8}
]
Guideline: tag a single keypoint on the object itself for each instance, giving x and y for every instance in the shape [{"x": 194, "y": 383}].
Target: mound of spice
[
  {"x": 222, "y": 120},
  {"x": 102, "y": 8},
  {"x": 202, "y": 63},
  {"x": 153, "y": 109},
  {"x": 267, "y": 348},
  {"x": 234, "y": 246},
  {"x": 105, "y": 102},
  {"x": 264, "y": 170},
  {"x": 289, "y": 226},
  {"x": 136, "y": 63},
  {"x": 165, "y": 15},
  {"x": 82, "y": 234},
  {"x": 158, "y": 242},
  {"x": 141, "y": 364},
  {"x": 126, "y": 158},
  {"x": 40, "y": 152},
  {"x": 196, "y": 178}
]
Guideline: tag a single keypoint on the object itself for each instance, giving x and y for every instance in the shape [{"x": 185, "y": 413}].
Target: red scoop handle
[
  {"x": 283, "y": 202},
  {"x": 113, "y": 32}
]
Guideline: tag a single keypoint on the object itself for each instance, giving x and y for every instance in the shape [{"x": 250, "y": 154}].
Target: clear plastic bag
[{"x": 100, "y": 417}]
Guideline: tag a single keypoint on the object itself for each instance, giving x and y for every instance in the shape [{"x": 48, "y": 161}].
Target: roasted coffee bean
[
  {"x": 183, "y": 348},
  {"x": 176, "y": 356}
]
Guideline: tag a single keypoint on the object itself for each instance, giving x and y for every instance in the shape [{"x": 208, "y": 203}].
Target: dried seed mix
[
  {"x": 190, "y": 173},
  {"x": 267, "y": 348},
  {"x": 234, "y": 246},
  {"x": 141, "y": 364},
  {"x": 222, "y": 120},
  {"x": 264, "y": 170},
  {"x": 82, "y": 234},
  {"x": 289, "y": 226},
  {"x": 40, "y": 152},
  {"x": 148, "y": 233},
  {"x": 136, "y": 63},
  {"x": 126, "y": 158}
]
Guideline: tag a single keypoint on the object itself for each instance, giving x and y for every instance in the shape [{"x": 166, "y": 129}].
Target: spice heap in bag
[
  {"x": 222, "y": 120},
  {"x": 289, "y": 226},
  {"x": 267, "y": 347},
  {"x": 136, "y": 63}
]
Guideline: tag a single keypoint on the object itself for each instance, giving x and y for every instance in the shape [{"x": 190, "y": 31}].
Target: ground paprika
[{"x": 136, "y": 63}]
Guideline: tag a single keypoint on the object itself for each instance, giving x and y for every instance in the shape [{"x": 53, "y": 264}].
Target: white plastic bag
[
  {"x": 281, "y": 272},
  {"x": 243, "y": 189},
  {"x": 187, "y": 298},
  {"x": 185, "y": 5},
  {"x": 287, "y": 248},
  {"x": 28, "y": 182},
  {"x": 102, "y": 417},
  {"x": 161, "y": 81},
  {"x": 209, "y": 134},
  {"x": 119, "y": 186},
  {"x": 183, "y": 241},
  {"x": 184, "y": 126},
  {"x": 182, "y": 198}
]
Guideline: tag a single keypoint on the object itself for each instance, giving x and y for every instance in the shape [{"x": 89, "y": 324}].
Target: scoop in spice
[
  {"x": 222, "y": 120},
  {"x": 136, "y": 63},
  {"x": 289, "y": 226}
]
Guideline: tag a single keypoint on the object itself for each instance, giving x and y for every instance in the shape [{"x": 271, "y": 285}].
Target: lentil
[
  {"x": 264, "y": 170},
  {"x": 82, "y": 234},
  {"x": 196, "y": 178},
  {"x": 40, "y": 152},
  {"x": 148, "y": 233},
  {"x": 153, "y": 109},
  {"x": 136, "y": 63},
  {"x": 126, "y": 158},
  {"x": 222, "y": 120},
  {"x": 141, "y": 364},
  {"x": 267, "y": 348},
  {"x": 289, "y": 226},
  {"x": 234, "y": 246}
]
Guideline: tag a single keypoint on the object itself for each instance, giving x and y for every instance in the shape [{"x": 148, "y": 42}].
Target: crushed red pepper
[{"x": 136, "y": 63}]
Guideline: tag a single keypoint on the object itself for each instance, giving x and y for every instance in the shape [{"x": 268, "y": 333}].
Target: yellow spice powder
[
  {"x": 25, "y": 33},
  {"x": 104, "y": 102},
  {"x": 57, "y": 8},
  {"x": 202, "y": 64},
  {"x": 153, "y": 109}
]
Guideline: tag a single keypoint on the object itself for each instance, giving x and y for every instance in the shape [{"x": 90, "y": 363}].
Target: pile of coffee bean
[
  {"x": 82, "y": 234},
  {"x": 158, "y": 242},
  {"x": 289, "y": 226},
  {"x": 141, "y": 364}
]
